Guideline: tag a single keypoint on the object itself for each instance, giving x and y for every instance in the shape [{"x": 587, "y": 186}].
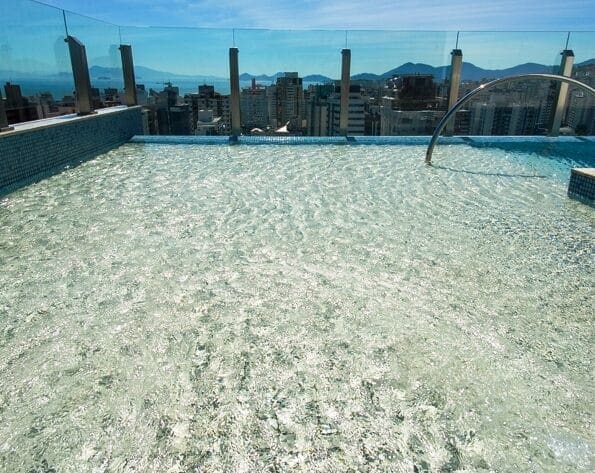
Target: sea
[{"x": 60, "y": 87}]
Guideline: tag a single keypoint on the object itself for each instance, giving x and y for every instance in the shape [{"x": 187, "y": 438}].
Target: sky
[
  {"x": 501, "y": 15},
  {"x": 289, "y": 35}
]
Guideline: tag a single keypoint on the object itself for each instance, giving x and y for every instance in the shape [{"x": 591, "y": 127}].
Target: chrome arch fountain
[{"x": 488, "y": 85}]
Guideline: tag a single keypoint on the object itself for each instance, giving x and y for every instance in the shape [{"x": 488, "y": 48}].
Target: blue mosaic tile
[
  {"x": 582, "y": 187},
  {"x": 33, "y": 154}
]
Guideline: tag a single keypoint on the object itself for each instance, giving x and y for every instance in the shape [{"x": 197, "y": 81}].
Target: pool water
[{"x": 298, "y": 308}]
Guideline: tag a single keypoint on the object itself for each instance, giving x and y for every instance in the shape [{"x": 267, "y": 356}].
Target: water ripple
[{"x": 315, "y": 308}]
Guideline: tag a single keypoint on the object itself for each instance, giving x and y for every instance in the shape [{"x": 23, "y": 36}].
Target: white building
[{"x": 356, "y": 118}]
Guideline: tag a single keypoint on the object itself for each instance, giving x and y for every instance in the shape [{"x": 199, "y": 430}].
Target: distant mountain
[
  {"x": 317, "y": 78},
  {"x": 366, "y": 76},
  {"x": 528, "y": 68},
  {"x": 588, "y": 62},
  {"x": 266, "y": 78},
  {"x": 469, "y": 71},
  {"x": 411, "y": 68},
  {"x": 403, "y": 69},
  {"x": 261, "y": 77},
  {"x": 148, "y": 76}
]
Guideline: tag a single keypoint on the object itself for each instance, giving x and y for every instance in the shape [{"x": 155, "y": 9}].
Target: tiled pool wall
[
  {"x": 582, "y": 185},
  {"x": 36, "y": 151}
]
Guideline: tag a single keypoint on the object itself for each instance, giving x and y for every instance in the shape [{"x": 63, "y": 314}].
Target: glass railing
[
  {"x": 182, "y": 77},
  {"x": 403, "y": 79},
  {"x": 516, "y": 108},
  {"x": 290, "y": 80},
  {"x": 35, "y": 75},
  {"x": 101, "y": 41}
]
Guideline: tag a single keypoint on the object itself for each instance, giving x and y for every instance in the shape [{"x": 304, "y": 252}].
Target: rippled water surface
[{"x": 297, "y": 308}]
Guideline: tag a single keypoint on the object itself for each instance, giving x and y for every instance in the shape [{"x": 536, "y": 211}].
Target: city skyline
[
  {"x": 111, "y": 77},
  {"x": 403, "y": 103}
]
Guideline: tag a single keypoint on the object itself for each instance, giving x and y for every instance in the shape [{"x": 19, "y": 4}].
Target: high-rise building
[
  {"x": 511, "y": 109},
  {"x": 18, "y": 108},
  {"x": 372, "y": 97},
  {"x": 166, "y": 114},
  {"x": 46, "y": 105},
  {"x": 407, "y": 122},
  {"x": 482, "y": 118},
  {"x": 208, "y": 99},
  {"x": 168, "y": 97},
  {"x": 174, "y": 120},
  {"x": 355, "y": 117},
  {"x": 207, "y": 123},
  {"x": 411, "y": 106},
  {"x": 416, "y": 92},
  {"x": 254, "y": 107},
  {"x": 14, "y": 97},
  {"x": 290, "y": 102},
  {"x": 271, "y": 95},
  {"x": 317, "y": 106},
  {"x": 111, "y": 97},
  {"x": 206, "y": 90},
  {"x": 580, "y": 114},
  {"x": 96, "y": 98}
]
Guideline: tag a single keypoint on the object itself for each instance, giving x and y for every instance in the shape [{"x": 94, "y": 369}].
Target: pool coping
[
  {"x": 44, "y": 123},
  {"x": 352, "y": 140}
]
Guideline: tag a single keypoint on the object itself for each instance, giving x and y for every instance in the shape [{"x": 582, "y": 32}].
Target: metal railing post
[
  {"x": 456, "y": 65},
  {"x": 3, "y": 118},
  {"x": 80, "y": 72},
  {"x": 128, "y": 72},
  {"x": 345, "y": 74},
  {"x": 234, "y": 83},
  {"x": 566, "y": 71}
]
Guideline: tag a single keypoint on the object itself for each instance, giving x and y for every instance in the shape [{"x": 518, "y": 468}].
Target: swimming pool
[{"x": 314, "y": 308}]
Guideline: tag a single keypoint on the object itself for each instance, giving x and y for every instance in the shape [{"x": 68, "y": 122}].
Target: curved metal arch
[{"x": 488, "y": 85}]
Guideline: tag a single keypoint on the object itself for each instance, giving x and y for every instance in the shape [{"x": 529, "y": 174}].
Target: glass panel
[
  {"x": 288, "y": 81},
  {"x": 518, "y": 108},
  {"x": 182, "y": 77},
  {"x": 402, "y": 77},
  {"x": 35, "y": 72},
  {"x": 499, "y": 54},
  {"x": 580, "y": 112},
  {"x": 101, "y": 42}
]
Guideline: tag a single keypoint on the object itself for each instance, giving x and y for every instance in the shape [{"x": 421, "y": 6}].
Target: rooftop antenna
[
  {"x": 233, "y": 37},
  {"x": 567, "y": 40},
  {"x": 457, "y": 45},
  {"x": 345, "y": 39}
]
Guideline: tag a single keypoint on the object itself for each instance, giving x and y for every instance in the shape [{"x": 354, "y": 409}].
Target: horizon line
[{"x": 273, "y": 74}]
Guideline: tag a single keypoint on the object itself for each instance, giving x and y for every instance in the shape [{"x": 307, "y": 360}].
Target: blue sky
[
  {"x": 312, "y": 37},
  {"x": 379, "y": 14}
]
